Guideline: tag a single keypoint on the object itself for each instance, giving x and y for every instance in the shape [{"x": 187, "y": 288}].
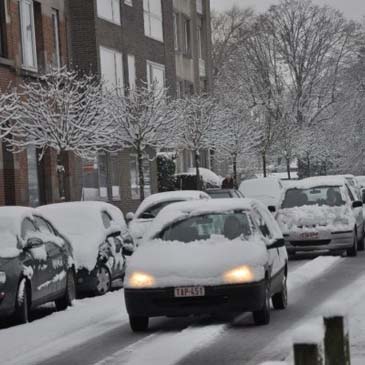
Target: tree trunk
[
  {"x": 108, "y": 177},
  {"x": 264, "y": 163},
  {"x": 196, "y": 157},
  {"x": 140, "y": 174},
  {"x": 308, "y": 166},
  {"x": 64, "y": 187},
  {"x": 235, "y": 180},
  {"x": 288, "y": 167}
]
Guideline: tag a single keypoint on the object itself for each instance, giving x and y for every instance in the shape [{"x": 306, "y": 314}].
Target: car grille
[{"x": 310, "y": 243}]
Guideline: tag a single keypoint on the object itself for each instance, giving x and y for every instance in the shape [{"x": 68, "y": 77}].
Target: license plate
[
  {"x": 190, "y": 291},
  {"x": 309, "y": 235}
]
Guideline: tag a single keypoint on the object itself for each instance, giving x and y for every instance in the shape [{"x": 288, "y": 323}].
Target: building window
[
  {"x": 109, "y": 10},
  {"x": 56, "y": 55},
  {"x": 111, "y": 68},
  {"x": 176, "y": 37},
  {"x": 156, "y": 73},
  {"x": 2, "y": 29},
  {"x": 128, "y": 2},
  {"x": 134, "y": 174},
  {"x": 199, "y": 6},
  {"x": 29, "y": 51},
  {"x": 200, "y": 42},
  {"x": 153, "y": 19},
  {"x": 187, "y": 37},
  {"x": 131, "y": 71}
]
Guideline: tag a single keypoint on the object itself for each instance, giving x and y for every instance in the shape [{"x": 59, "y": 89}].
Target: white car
[
  {"x": 268, "y": 190},
  {"x": 211, "y": 256},
  {"x": 100, "y": 240},
  {"x": 321, "y": 214},
  {"x": 139, "y": 222}
]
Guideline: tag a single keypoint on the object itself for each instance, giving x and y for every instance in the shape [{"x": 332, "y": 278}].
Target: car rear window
[
  {"x": 319, "y": 195},
  {"x": 230, "y": 225},
  {"x": 220, "y": 194}
]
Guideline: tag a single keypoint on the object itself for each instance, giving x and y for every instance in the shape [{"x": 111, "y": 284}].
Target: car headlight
[
  {"x": 2, "y": 277},
  {"x": 140, "y": 280},
  {"x": 239, "y": 275}
]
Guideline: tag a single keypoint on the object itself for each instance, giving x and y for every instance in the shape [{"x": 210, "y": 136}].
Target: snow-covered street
[{"x": 95, "y": 330}]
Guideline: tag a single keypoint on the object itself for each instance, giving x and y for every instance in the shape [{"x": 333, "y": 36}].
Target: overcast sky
[{"x": 352, "y": 8}]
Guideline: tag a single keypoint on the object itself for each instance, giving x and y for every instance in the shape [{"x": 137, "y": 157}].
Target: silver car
[{"x": 321, "y": 214}]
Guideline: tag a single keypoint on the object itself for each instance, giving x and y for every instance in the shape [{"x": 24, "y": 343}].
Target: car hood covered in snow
[
  {"x": 196, "y": 263},
  {"x": 315, "y": 216}
]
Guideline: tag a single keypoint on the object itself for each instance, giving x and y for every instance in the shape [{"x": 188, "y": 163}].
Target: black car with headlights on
[
  {"x": 208, "y": 257},
  {"x": 36, "y": 264}
]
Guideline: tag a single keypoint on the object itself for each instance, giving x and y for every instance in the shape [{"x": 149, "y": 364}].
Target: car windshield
[
  {"x": 219, "y": 194},
  {"x": 320, "y": 195},
  {"x": 230, "y": 225},
  {"x": 153, "y": 210}
]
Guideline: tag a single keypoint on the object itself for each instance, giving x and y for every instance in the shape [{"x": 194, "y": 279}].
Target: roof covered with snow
[
  {"x": 82, "y": 224},
  {"x": 170, "y": 196}
]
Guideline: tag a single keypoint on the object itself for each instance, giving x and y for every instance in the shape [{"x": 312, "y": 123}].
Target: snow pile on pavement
[
  {"x": 309, "y": 334},
  {"x": 197, "y": 263},
  {"x": 35, "y": 342},
  {"x": 323, "y": 218}
]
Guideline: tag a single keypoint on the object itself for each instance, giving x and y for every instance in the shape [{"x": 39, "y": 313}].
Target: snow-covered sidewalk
[{"x": 37, "y": 341}]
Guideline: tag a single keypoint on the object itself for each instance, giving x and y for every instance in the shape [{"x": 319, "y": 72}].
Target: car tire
[
  {"x": 103, "y": 280},
  {"x": 70, "y": 294},
  {"x": 262, "y": 316},
  {"x": 22, "y": 303},
  {"x": 138, "y": 324},
  {"x": 280, "y": 300},
  {"x": 361, "y": 244},
  {"x": 352, "y": 251}
]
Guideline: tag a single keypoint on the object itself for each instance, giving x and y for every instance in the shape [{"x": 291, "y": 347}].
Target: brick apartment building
[
  {"x": 124, "y": 41},
  {"x": 32, "y": 38},
  {"x": 133, "y": 41}
]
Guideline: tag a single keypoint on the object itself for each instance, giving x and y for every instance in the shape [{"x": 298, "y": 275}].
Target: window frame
[
  {"x": 150, "y": 66},
  {"x": 22, "y": 4},
  {"x": 115, "y": 19},
  {"x": 132, "y": 78},
  {"x": 119, "y": 82},
  {"x": 56, "y": 37},
  {"x": 187, "y": 37},
  {"x": 3, "y": 29},
  {"x": 159, "y": 17}
]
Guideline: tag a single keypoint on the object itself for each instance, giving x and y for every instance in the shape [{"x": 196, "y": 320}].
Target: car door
[
  {"x": 358, "y": 212},
  {"x": 56, "y": 260},
  {"x": 37, "y": 261}
]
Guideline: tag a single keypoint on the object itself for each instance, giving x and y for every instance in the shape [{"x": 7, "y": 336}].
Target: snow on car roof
[
  {"x": 170, "y": 196},
  {"x": 311, "y": 182},
  {"x": 207, "y": 175},
  {"x": 177, "y": 211},
  {"x": 82, "y": 224}
]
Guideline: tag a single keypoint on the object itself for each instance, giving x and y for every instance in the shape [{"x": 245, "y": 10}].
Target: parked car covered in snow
[
  {"x": 152, "y": 205},
  {"x": 321, "y": 214},
  {"x": 100, "y": 240},
  {"x": 36, "y": 264},
  {"x": 224, "y": 193},
  {"x": 208, "y": 257},
  {"x": 268, "y": 190}
]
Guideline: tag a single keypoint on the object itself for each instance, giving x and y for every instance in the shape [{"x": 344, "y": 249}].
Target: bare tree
[
  {"x": 228, "y": 30},
  {"x": 9, "y": 111},
  {"x": 198, "y": 126},
  {"x": 63, "y": 111},
  {"x": 141, "y": 120}
]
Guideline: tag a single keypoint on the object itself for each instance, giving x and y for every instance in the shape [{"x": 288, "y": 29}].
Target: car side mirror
[
  {"x": 128, "y": 250},
  {"x": 129, "y": 217},
  {"x": 272, "y": 208},
  {"x": 357, "y": 204},
  {"x": 33, "y": 242},
  {"x": 277, "y": 244}
]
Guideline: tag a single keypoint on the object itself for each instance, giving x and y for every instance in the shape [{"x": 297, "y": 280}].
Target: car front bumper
[
  {"x": 217, "y": 299},
  {"x": 332, "y": 242}
]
